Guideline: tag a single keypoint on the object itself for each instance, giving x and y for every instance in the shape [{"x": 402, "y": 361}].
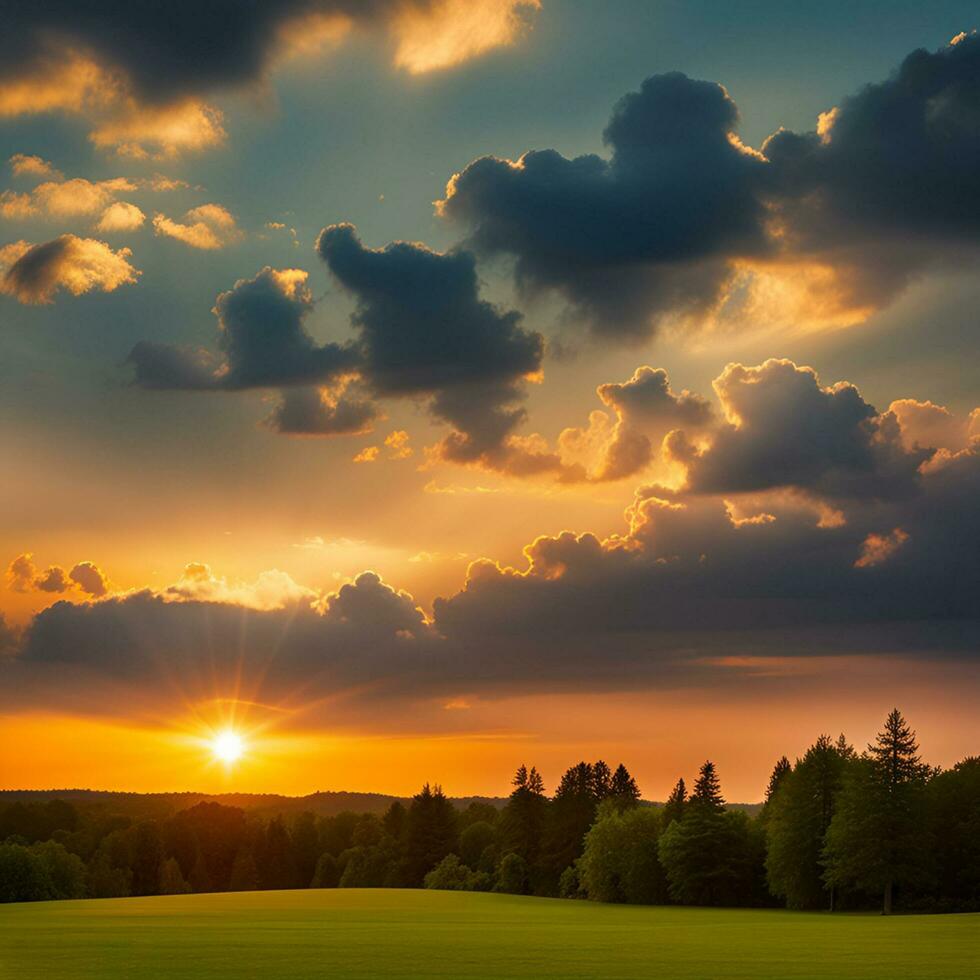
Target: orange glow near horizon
[{"x": 659, "y": 736}]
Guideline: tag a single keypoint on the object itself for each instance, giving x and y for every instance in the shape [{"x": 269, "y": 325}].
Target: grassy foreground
[{"x": 390, "y": 933}]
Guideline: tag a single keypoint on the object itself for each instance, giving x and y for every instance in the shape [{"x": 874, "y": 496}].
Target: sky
[{"x": 425, "y": 387}]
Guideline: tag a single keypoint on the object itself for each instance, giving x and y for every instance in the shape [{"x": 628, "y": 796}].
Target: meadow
[{"x": 362, "y": 933}]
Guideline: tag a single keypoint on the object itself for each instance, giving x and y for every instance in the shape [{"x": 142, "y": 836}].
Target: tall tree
[
  {"x": 779, "y": 771},
  {"x": 876, "y": 839},
  {"x": 571, "y": 814},
  {"x": 431, "y": 833},
  {"x": 798, "y": 815},
  {"x": 705, "y": 853},
  {"x": 623, "y": 789},
  {"x": 522, "y": 822},
  {"x": 676, "y": 803}
]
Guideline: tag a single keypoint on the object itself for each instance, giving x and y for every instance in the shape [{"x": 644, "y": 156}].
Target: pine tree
[
  {"x": 430, "y": 835},
  {"x": 522, "y": 821},
  {"x": 707, "y": 789},
  {"x": 779, "y": 771},
  {"x": 623, "y": 789},
  {"x": 676, "y": 803},
  {"x": 876, "y": 838},
  {"x": 705, "y": 855},
  {"x": 601, "y": 780},
  {"x": 797, "y": 820}
]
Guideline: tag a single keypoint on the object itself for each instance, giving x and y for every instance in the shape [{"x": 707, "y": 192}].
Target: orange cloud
[
  {"x": 397, "y": 444},
  {"x": 120, "y": 216},
  {"x": 25, "y": 165},
  {"x": 449, "y": 32},
  {"x": 33, "y": 274},
  {"x": 878, "y": 548},
  {"x": 208, "y": 227},
  {"x": 143, "y": 133},
  {"x": 63, "y": 198}
]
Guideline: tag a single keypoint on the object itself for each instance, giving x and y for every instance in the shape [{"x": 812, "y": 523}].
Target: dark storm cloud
[
  {"x": 896, "y": 166},
  {"x": 685, "y": 585},
  {"x": 638, "y": 234},
  {"x": 688, "y": 566},
  {"x": 424, "y": 331},
  {"x": 311, "y": 412},
  {"x": 888, "y": 185},
  {"x": 262, "y": 339},
  {"x": 785, "y": 430},
  {"x": 168, "y": 51}
]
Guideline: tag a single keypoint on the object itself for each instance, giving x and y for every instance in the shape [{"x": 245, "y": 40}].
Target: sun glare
[{"x": 227, "y": 747}]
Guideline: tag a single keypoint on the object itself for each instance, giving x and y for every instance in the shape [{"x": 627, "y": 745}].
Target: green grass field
[{"x": 381, "y": 933}]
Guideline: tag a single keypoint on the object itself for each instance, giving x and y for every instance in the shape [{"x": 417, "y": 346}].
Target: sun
[{"x": 227, "y": 747}]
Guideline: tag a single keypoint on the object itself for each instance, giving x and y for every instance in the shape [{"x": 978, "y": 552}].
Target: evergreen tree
[
  {"x": 676, "y": 803},
  {"x": 430, "y": 834},
  {"x": 601, "y": 780},
  {"x": 779, "y": 772},
  {"x": 797, "y": 819},
  {"x": 570, "y": 815},
  {"x": 395, "y": 820},
  {"x": 705, "y": 853},
  {"x": 623, "y": 789},
  {"x": 876, "y": 839},
  {"x": 522, "y": 822}
]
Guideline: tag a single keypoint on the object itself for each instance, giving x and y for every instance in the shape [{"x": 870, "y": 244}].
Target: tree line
[{"x": 838, "y": 830}]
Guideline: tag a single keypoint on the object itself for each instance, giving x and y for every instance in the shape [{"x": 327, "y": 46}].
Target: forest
[{"x": 838, "y": 830}]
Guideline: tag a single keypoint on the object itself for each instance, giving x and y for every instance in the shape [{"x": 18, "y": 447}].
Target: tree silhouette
[{"x": 876, "y": 839}]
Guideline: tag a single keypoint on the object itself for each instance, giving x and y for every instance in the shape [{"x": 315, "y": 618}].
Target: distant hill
[{"x": 325, "y": 803}]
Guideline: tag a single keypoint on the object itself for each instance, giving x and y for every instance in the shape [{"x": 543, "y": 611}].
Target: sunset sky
[{"x": 424, "y": 387}]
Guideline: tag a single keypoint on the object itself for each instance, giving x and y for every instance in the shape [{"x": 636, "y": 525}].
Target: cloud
[
  {"x": 683, "y": 224},
  {"x": 271, "y": 640},
  {"x": 23, "y": 576},
  {"x": 893, "y": 167},
  {"x": 271, "y": 590},
  {"x": 686, "y": 582},
  {"x": 453, "y": 31},
  {"x": 209, "y": 227},
  {"x": 634, "y": 238},
  {"x": 143, "y": 76},
  {"x": 120, "y": 216},
  {"x": 89, "y": 578},
  {"x": 262, "y": 340},
  {"x": 424, "y": 331},
  {"x": 782, "y": 429},
  {"x": 33, "y": 274},
  {"x": 645, "y": 409},
  {"x": 21, "y": 573},
  {"x": 29, "y": 165},
  {"x": 322, "y": 412},
  {"x": 58, "y": 199}
]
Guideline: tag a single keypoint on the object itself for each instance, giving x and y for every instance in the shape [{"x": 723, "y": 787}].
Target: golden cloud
[
  {"x": 449, "y": 32},
  {"x": 120, "y": 216},
  {"x": 208, "y": 227},
  {"x": 33, "y": 274}
]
